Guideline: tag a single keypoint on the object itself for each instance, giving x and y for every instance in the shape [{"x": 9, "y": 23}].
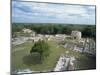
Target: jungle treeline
[{"x": 47, "y": 28}]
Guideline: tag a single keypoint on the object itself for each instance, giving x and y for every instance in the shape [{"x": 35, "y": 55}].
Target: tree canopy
[
  {"x": 46, "y": 28},
  {"x": 42, "y": 48}
]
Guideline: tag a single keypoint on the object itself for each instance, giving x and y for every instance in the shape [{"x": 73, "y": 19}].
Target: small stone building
[
  {"x": 27, "y": 30},
  {"x": 76, "y": 35}
]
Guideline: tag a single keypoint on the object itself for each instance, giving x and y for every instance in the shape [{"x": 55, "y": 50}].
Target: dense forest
[{"x": 47, "y": 28}]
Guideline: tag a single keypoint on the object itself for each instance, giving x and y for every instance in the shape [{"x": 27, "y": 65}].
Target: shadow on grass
[
  {"x": 32, "y": 59},
  {"x": 87, "y": 61}
]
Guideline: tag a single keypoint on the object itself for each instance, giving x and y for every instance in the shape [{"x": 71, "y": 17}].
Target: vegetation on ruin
[{"x": 46, "y": 28}]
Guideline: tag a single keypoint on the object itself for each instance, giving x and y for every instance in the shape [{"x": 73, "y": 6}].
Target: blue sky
[{"x": 32, "y": 12}]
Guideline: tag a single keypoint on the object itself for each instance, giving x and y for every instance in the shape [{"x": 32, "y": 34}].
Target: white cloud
[
  {"x": 61, "y": 9},
  {"x": 46, "y": 8},
  {"x": 53, "y": 12}
]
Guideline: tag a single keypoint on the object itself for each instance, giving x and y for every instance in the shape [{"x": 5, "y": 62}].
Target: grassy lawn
[
  {"x": 18, "y": 52},
  {"x": 21, "y": 58},
  {"x": 23, "y": 50},
  {"x": 85, "y": 62}
]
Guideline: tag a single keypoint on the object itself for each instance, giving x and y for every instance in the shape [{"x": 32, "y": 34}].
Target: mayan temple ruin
[{"x": 76, "y": 35}]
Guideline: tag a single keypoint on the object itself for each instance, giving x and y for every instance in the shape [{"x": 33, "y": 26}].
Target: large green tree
[
  {"x": 89, "y": 31},
  {"x": 42, "y": 48}
]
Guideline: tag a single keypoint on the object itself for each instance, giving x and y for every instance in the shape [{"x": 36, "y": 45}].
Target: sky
[{"x": 33, "y": 12}]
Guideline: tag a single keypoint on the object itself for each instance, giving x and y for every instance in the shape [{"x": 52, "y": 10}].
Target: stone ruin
[{"x": 76, "y": 35}]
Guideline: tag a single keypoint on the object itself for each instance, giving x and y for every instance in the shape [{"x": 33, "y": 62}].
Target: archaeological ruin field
[{"x": 71, "y": 47}]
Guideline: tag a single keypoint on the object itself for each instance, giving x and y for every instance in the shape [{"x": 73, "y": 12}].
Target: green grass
[
  {"x": 85, "y": 62},
  {"x": 49, "y": 63},
  {"x": 21, "y": 58},
  {"x": 18, "y": 52}
]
